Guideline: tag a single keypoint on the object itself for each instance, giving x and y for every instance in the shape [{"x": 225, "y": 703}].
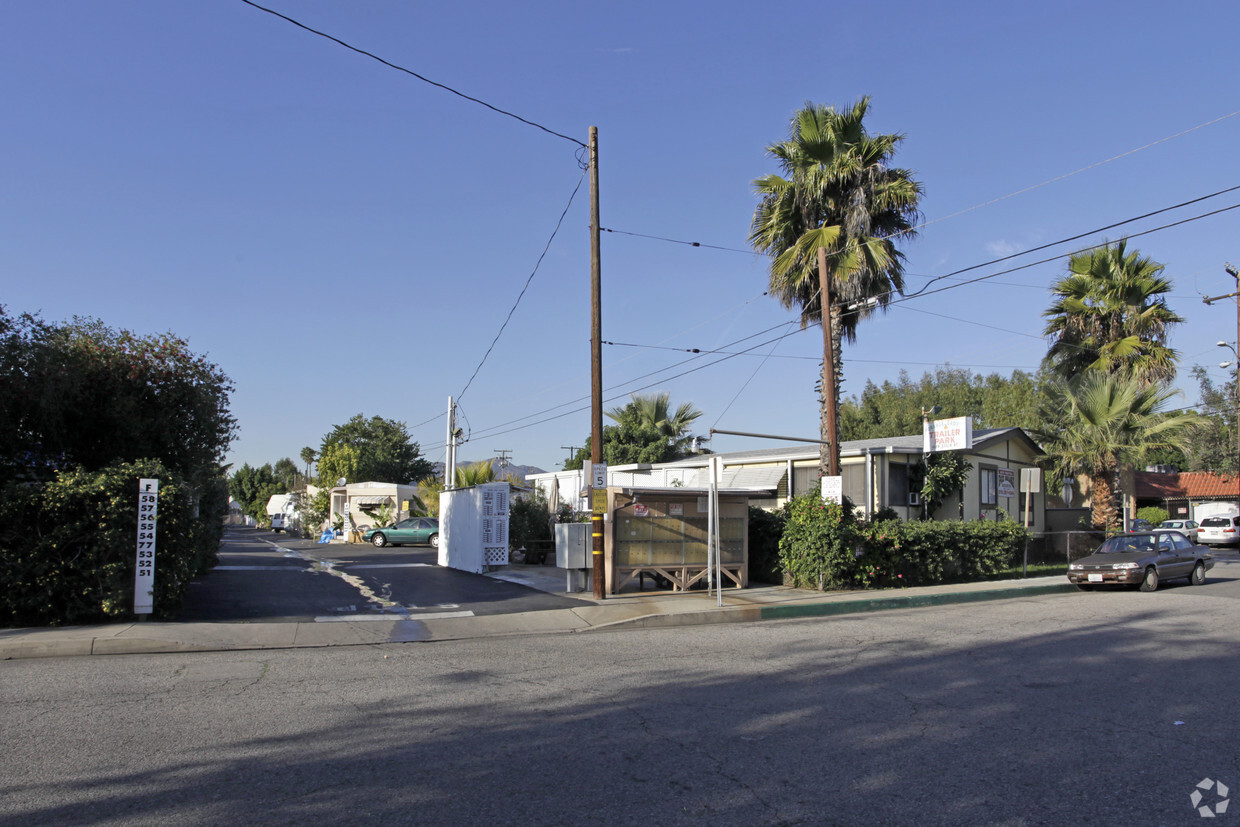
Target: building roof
[
  {"x": 1192, "y": 485},
  {"x": 911, "y": 444}
]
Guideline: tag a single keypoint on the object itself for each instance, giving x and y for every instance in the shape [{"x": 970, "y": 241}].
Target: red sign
[{"x": 641, "y": 510}]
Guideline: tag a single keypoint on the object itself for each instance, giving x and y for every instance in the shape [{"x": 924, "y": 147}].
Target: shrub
[
  {"x": 915, "y": 553},
  {"x": 67, "y": 547},
  {"x": 529, "y": 520},
  {"x": 817, "y": 549},
  {"x": 1153, "y": 513}
]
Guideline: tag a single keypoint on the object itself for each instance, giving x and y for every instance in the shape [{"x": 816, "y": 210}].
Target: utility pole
[
  {"x": 503, "y": 458},
  {"x": 596, "y": 370},
  {"x": 449, "y": 467}
]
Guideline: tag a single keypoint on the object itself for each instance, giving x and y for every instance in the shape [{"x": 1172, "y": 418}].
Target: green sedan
[{"x": 415, "y": 530}]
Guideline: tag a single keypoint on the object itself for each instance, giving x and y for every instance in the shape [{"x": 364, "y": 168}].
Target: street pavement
[{"x": 522, "y": 600}]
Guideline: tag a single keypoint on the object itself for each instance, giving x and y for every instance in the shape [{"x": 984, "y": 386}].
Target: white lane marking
[
  {"x": 387, "y": 566},
  {"x": 258, "y": 568},
  {"x": 390, "y": 616}
]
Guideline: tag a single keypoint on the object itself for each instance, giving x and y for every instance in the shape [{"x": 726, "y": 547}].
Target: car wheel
[
  {"x": 435, "y": 540},
  {"x": 1150, "y": 583},
  {"x": 379, "y": 540},
  {"x": 1199, "y": 574}
]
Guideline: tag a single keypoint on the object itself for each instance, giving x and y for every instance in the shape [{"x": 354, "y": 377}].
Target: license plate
[{"x": 1095, "y": 578}]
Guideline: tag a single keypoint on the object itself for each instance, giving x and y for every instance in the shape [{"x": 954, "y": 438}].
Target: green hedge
[
  {"x": 824, "y": 547},
  {"x": 68, "y": 546}
]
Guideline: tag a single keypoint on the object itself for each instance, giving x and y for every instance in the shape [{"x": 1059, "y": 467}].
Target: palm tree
[
  {"x": 839, "y": 192},
  {"x": 1109, "y": 313},
  {"x": 1100, "y": 420},
  {"x": 654, "y": 411}
]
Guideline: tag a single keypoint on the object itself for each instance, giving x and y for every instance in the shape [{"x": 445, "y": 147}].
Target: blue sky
[{"x": 343, "y": 238}]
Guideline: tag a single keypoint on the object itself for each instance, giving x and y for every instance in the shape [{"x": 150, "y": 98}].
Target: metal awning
[
  {"x": 754, "y": 479},
  {"x": 372, "y": 500}
]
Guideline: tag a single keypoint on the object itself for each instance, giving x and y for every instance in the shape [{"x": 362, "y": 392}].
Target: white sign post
[{"x": 144, "y": 573}]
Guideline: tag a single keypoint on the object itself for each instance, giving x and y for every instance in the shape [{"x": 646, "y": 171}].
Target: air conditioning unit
[{"x": 914, "y": 498}]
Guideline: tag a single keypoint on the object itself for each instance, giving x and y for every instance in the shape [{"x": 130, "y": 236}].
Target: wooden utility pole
[
  {"x": 831, "y": 432},
  {"x": 596, "y": 371}
]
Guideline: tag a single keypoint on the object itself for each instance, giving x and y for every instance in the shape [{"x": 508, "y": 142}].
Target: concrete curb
[{"x": 168, "y": 638}]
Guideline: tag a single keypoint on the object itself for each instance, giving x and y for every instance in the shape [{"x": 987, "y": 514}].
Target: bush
[
  {"x": 67, "y": 547},
  {"x": 529, "y": 521},
  {"x": 897, "y": 553},
  {"x": 823, "y": 547},
  {"x": 817, "y": 549},
  {"x": 1153, "y": 513},
  {"x": 765, "y": 529}
]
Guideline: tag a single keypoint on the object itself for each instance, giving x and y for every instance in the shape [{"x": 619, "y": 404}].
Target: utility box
[
  {"x": 572, "y": 546},
  {"x": 473, "y": 527}
]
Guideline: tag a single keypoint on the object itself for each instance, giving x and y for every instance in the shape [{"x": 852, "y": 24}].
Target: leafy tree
[
  {"x": 1213, "y": 446},
  {"x": 894, "y": 408},
  {"x": 83, "y": 395},
  {"x": 477, "y": 473},
  {"x": 253, "y": 488},
  {"x": 1110, "y": 313},
  {"x": 286, "y": 472},
  {"x": 1101, "y": 420},
  {"x": 838, "y": 191},
  {"x": 370, "y": 449},
  {"x": 945, "y": 474}
]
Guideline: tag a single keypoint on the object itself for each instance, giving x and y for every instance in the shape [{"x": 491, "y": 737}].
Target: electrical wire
[
  {"x": 537, "y": 264},
  {"x": 422, "y": 78}
]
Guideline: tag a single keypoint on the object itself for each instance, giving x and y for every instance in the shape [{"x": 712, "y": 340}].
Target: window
[
  {"x": 989, "y": 477},
  {"x": 897, "y": 489}
]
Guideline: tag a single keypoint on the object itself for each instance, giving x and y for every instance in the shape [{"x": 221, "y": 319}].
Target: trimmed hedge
[
  {"x": 824, "y": 547},
  {"x": 68, "y": 546}
]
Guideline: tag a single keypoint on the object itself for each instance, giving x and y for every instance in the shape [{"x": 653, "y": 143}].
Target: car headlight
[
  {"x": 1075, "y": 567},
  {"x": 1125, "y": 565}
]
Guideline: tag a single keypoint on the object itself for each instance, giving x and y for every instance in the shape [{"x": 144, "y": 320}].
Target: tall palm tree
[
  {"x": 1098, "y": 421},
  {"x": 1110, "y": 313},
  {"x": 654, "y": 411},
  {"x": 837, "y": 191}
]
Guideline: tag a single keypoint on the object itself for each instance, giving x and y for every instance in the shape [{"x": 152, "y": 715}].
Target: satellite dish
[{"x": 341, "y": 481}]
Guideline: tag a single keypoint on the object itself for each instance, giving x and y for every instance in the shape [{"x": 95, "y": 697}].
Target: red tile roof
[
  {"x": 1208, "y": 484},
  {"x": 1185, "y": 485}
]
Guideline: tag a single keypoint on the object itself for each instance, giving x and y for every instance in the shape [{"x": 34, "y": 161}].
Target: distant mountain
[{"x": 519, "y": 471}]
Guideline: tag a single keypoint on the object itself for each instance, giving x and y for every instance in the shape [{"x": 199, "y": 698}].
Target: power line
[
  {"x": 537, "y": 264},
  {"x": 422, "y": 78}
]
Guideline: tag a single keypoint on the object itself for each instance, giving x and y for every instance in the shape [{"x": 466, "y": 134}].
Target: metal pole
[
  {"x": 449, "y": 467},
  {"x": 596, "y": 366}
]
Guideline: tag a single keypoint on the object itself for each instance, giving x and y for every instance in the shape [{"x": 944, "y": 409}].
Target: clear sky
[{"x": 343, "y": 238}]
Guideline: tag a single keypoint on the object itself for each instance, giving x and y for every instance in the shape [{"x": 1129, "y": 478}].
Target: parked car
[
  {"x": 1140, "y": 525},
  {"x": 1186, "y": 527},
  {"x": 415, "y": 530},
  {"x": 1144, "y": 559},
  {"x": 1219, "y": 530}
]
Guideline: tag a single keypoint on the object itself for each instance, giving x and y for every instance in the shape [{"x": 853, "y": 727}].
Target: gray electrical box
[{"x": 572, "y": 546}]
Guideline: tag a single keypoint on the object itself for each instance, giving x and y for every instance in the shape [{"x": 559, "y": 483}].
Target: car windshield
[{"x": 1126, "y": 544}]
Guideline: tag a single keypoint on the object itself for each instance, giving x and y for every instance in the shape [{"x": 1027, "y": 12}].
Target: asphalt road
[
  {"x": 1102, "y": 708},
  {"x": 264, "y": 576}
]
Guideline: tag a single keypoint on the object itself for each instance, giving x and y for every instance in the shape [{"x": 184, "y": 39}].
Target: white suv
[{"x": 1219, "y": 531}]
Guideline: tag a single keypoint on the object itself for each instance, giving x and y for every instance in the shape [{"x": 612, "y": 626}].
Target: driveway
[{"x": 263, "y": 576}]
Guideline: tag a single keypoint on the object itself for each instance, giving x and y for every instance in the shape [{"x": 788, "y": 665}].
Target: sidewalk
[{"x": 646, "y": 611}]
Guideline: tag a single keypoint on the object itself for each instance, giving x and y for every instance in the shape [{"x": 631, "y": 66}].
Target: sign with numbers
[{"x": 144, "y": 574}]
